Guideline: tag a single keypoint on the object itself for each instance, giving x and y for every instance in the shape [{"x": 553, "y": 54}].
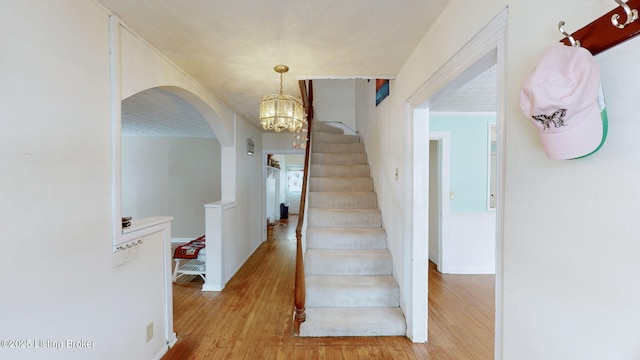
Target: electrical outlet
[{"x": 150, "y": 331}]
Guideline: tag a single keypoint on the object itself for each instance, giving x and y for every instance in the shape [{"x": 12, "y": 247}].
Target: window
[{"x": 294, "y": 180}]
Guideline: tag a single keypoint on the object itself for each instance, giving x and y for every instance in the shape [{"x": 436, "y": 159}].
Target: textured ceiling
[
  {"x": 477, "y": 95},
  {"x": 231, "y": 47},
  {"x": 157, "y": 112}
]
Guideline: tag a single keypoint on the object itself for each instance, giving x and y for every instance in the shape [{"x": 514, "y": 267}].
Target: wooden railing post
[{"x": 299, "y": 296}]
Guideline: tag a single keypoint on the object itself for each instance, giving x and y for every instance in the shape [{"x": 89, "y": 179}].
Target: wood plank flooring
[{"x": 251, "y": 317}]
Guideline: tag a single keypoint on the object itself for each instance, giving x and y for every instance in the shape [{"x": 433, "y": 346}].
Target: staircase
[{"x": 348, "y": 269}]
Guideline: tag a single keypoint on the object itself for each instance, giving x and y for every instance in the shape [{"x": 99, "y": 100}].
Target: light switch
[{"x": 451, "y": 195}]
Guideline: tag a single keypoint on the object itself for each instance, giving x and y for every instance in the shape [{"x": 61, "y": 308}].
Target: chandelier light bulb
[{"x": 282, "y": 112}]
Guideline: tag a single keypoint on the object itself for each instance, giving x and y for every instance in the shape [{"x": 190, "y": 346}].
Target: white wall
[
  {"x": 335, "y": 101},
  {"x": 572, "y": 236},
  {"x": 55, "y": 186},
  {"x": 233, "y": 224},
  {"x": 170, "y": 176},
  {"x": 249, "y": 196},
  {"x": 273, "y": 141},
  {"x": 295, "y": 159},
  {"x": 569, "y": 251}
]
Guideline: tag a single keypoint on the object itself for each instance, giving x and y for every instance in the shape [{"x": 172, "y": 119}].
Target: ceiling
[
  {"x": 158, "y": 112},
  {"x": 231, "y": 47},
  {"x": 477, "y": 95}
]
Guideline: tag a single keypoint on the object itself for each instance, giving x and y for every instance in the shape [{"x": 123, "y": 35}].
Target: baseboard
[
  {"x": 433, "y": 256},
  {"x": 469, "y": 271},
  {"x": 162, "y": 352},
  {"x": 173, "y": 340},
  {"x": 212, "y": 287}
]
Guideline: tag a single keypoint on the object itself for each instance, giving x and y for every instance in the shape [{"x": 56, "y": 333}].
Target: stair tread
[
  {"x": 319, "y": 126},
  {"x": 346, "y": 238},
  {"x": 343, "y": 200},
  {"x": 345, "y": 217},
  {"x": 344, "y": 193},
  {"x": 338, "y": 229},
  {"x": 341, "y": 210},
  {"x": 352, "y": 291},
  {"x": 340, "y": 170},
  {"x": 353, "y": 158},
  {"x": 328, "y": 141},
  {"x": 353, "y": 321},
  {"x": 352, "y": 252},
  {"x": 341, "y": 178},
  {"x": 324, "y": 138},
  {"x": 362, "y": 281},
  {"x": 348, "y": 262},
  {"x": 335, "y": 150}
]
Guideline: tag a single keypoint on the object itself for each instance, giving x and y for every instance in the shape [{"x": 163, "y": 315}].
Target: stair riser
[
  {"x": 338, "y": 148},
  {"x": 343, "y": 200},
  {"x": 346, "y": 238},
  {"x": 344, "y": 218},
  {"x": 340, "y": 184},
  {"x": 322, "y": 296},
  {"x": 322, "y": 127},
  {"x": 317, "y": 264},
  {"x": 322, "y": 137},
  {"x": 354, "y": 322},
  {"x": 339, "y": 159},
  {"x": 349, "y": 171},
  {"x": 327, "y": 238}
]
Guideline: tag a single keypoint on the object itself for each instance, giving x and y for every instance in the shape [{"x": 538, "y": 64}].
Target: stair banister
[{"x": 299, "y": 297}]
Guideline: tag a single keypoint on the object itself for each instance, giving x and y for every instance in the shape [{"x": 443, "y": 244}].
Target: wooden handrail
[{"x": 299, "y": 292}]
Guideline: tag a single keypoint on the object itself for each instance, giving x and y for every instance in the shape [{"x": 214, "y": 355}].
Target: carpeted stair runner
[{"x": 348, "y": 269}]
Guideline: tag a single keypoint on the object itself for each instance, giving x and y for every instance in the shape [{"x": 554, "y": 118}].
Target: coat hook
[
  {"x": 573, "y": 41},
  {"x": 632, "y": 15}
]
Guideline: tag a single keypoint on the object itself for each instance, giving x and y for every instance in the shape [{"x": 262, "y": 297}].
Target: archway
[{"x": 170, "y": 160}]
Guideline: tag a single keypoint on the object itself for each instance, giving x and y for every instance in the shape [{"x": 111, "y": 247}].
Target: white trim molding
[{"x": 488, "y": 47}]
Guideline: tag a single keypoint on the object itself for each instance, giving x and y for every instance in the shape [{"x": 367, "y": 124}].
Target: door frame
[
  {"x": 264, "y": 180},
  {"x": 491, "y": 40},
  {"x": 443, "y": 139}
]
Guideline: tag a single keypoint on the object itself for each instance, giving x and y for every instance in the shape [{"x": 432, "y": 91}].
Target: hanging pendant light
[{"x": 282, "y": 112}]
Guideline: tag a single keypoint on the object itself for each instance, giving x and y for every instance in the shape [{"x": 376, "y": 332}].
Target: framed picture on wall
[{"x": 382, "y": 90}]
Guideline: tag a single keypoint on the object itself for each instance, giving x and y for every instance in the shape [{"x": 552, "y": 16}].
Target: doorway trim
[
  {"x": 283, "y": 151},
  {"x": 491, "y": 40},
  {"x": 443, "y": 139}
]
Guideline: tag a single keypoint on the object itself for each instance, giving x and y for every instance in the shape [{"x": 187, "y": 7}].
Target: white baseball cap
[{"x": 563, "y": 98}]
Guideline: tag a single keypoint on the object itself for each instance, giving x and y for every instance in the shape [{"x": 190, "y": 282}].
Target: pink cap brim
[{"x": 578, "y": 140}]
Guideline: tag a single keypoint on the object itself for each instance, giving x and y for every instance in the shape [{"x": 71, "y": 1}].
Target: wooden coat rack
[{"x": 602, "y": 33}]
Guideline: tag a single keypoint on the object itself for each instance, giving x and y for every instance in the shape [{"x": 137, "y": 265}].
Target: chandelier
[{"x": 283, "y": 112}]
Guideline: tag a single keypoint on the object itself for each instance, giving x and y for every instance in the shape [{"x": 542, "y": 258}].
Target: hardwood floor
[{"x": 251, "y": 317}]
